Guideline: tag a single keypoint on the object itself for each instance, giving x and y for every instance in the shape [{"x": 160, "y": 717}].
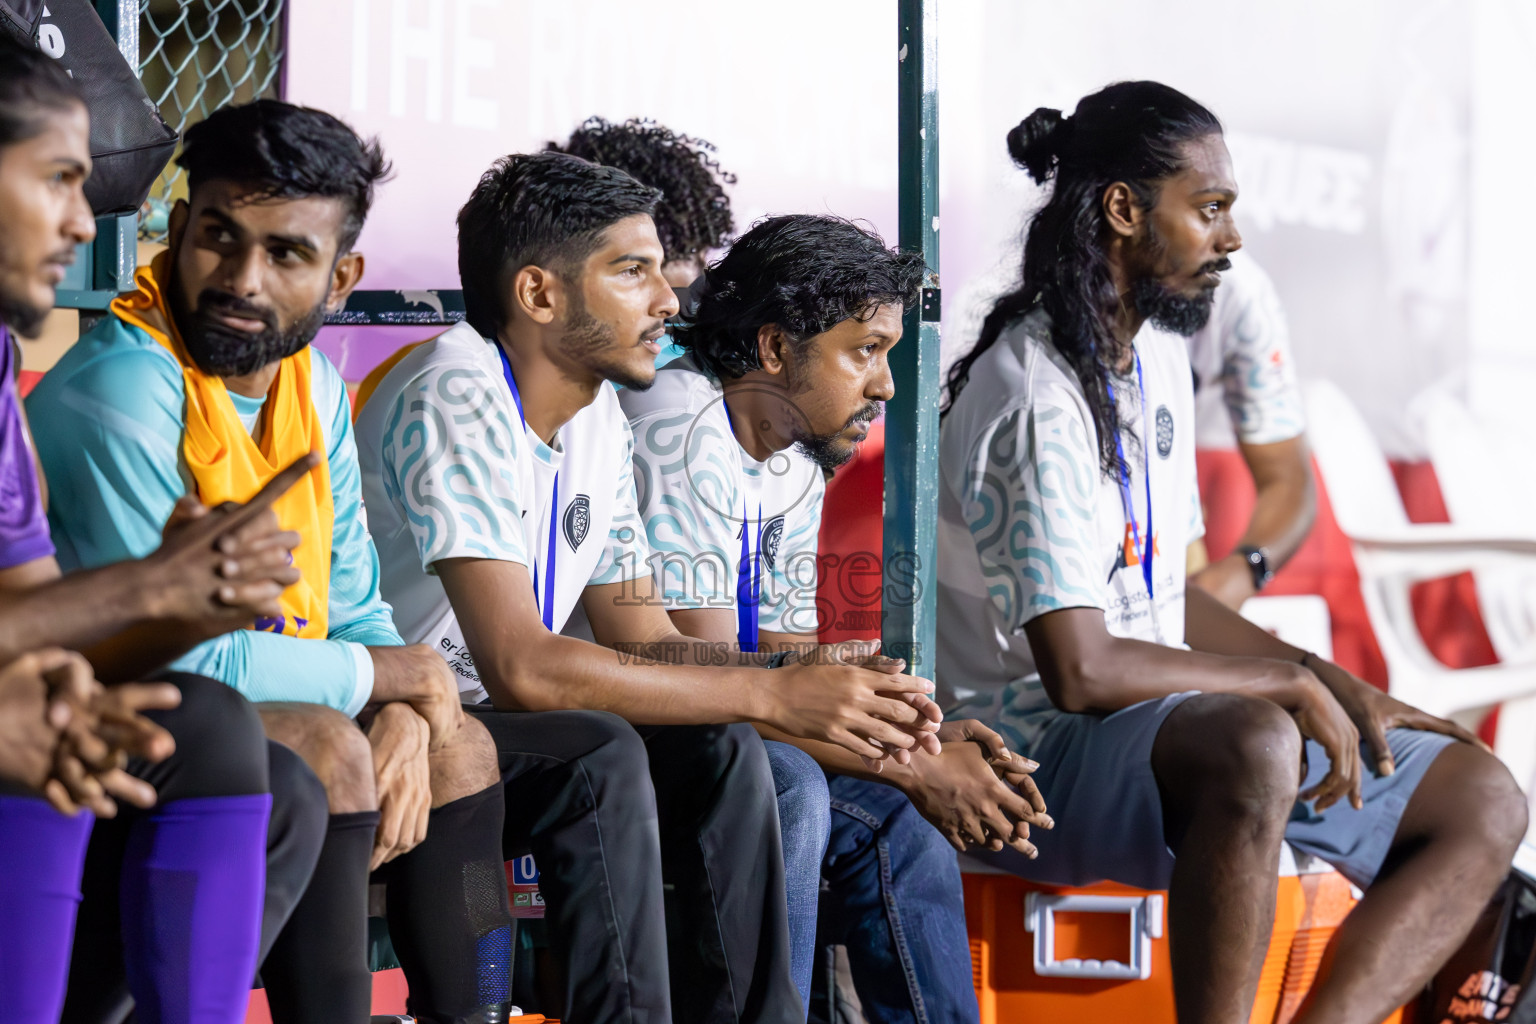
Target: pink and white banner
[{"x": 1351, "y": 124}]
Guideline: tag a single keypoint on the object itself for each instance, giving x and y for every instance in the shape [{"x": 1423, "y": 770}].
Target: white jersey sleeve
[
  {"x": 450, "y": 459},
  {"x": 687, "y": 472},
  {"x": 1258, "y": 377},
  {"x": 1030, "y": 500},
  {"x": 626, "y": 554}
]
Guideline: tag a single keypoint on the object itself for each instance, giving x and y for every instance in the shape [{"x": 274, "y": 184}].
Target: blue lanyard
[
  {"x": 749, "y": 580},
  {"x": 1125, "y": 477},
  {"x": 547, "y": 605},
  {"x": 749, "y": 572}
]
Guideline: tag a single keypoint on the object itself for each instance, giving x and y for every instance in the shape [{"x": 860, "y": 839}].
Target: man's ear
[
  {"x": 1121, "y": 210},
  {"x": 180, "y": 214},
  {"x": 538, "y": 294},
  {"x": 344, "y": 277},
  {"x": 772, "y": 348}
]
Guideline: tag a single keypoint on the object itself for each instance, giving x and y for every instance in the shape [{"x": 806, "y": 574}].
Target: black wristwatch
[{"x": 1258, "y": 566}]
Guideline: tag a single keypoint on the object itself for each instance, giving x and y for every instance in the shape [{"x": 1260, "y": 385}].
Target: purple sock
[
  {"x": 194, "y": 877},
  {"x": 42, "y": 853}
]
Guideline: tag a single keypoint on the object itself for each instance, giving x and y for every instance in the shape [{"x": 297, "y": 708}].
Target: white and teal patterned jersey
[
  {"x": 1245, "y": 378},
  {"x": 449, "y": 471},
  {"x": 700, "y": 494},
  {"x": 1028, "y": 524}
]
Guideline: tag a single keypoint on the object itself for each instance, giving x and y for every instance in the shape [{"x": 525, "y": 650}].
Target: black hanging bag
[
  {"x": 1488, "y": 979},
  {"x": 130, "y": 141},
  {"x": 20, "y": 18}
]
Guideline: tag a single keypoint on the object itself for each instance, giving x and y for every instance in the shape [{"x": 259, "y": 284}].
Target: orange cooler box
[{"x": 1099, "y": 954}]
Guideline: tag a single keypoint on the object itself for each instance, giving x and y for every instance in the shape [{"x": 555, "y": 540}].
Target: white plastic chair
[
  {"x": 1392, "y": 554},
  {"x": 1483, "y": 491}
]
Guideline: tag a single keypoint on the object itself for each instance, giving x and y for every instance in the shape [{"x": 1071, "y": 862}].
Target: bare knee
[
  {"x": 1486, "y": 802},
  {"x": 465, "y": 765},
  {"x": 333, "y": 747},
  {"x": 1236, "y": 753}
]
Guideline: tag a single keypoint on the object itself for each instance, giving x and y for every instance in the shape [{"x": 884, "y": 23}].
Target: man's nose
[
  {"x": 882, "y": 388},
  {"x": 79, "y": 223},
  {"x": 1232, "y": 239},
  {"x": 242, "y": 272},
  {"x": 664, "y": 304}
]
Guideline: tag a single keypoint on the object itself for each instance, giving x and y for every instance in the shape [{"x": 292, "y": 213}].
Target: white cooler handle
[{"x": 1146, "y": 923}]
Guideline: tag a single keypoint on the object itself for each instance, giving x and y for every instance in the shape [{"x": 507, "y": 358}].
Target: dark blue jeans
[
  {"x": 805, "y": 821},
  {"x": 893, "y": 898}
]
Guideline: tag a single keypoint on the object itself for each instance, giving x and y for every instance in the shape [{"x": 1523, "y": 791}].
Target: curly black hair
[
  {"x": 805, "y": 273},
  {"x": 545, "y": 209},
  {"x": 287, "y": 152},
  {"x": 694, "y": 215}
]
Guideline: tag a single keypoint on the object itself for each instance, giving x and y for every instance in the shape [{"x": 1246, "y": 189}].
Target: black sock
[
  {"x": 449, "y": 918},
  {"x": 295, "y": 837},
  {"x": 317, "y": 971}
]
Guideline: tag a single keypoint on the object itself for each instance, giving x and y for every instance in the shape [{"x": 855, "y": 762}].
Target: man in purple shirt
[
  {"x": 160, "y": 792},
  {"x": 23, "y": 524}
]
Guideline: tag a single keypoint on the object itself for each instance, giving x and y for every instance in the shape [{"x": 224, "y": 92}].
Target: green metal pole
[
  {"x": 912, "y": 417},
  {"x": 117, "y": 238}
]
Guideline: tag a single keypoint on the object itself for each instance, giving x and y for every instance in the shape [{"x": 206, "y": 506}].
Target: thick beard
[
  {"x": 221, "y": 352},
  {"x": 1170, "y": 310},
  {"x": 587, "y": 339},
  {"x": 830, "y": 451},
  {"x": 1165, "y": 307}
]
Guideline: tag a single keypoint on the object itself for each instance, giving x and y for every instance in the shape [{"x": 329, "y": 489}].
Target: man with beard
[
  {"x": 693, "y": 217},
  {"x": 188, "y": 811},
  {"x": 693, "y": 220},
  {"x": 203, "y": 379},
  {"x": 785, "y": 367},
  {"x": 496, "y": 467},
  {"x": 1180, "y": 745}
]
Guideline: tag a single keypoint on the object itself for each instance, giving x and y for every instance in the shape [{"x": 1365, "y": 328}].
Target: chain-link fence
[{"x": 196, "y": 56}]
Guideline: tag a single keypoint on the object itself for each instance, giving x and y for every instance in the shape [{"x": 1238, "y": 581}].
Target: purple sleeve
[{"x": 23, "y": 524}]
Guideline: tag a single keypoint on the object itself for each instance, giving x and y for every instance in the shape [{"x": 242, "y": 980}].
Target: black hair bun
[{"x": 1035, "y": 143}]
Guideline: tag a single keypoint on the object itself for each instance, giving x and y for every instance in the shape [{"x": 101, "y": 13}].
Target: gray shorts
[{"x": 1096, "y": 777}]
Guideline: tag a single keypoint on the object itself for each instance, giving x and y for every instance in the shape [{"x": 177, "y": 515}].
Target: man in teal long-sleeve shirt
[
  {"x": 203, "y": 381},
  {"x": 109, "y": 425}
]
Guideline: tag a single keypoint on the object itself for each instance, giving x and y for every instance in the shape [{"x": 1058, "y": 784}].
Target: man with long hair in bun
[{"x": 1179, "y": 745}]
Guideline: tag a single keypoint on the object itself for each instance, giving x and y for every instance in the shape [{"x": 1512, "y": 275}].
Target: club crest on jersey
[
  {"x": 1164, "y": 431},
  {"x": 773, "y": 533},
  {"x": 578, "y": 519}
]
